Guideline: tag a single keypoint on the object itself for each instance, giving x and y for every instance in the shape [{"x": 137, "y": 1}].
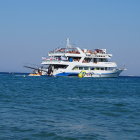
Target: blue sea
[{"x": 69, "y": 108}]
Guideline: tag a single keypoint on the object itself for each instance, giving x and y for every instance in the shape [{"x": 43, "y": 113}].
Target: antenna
[{"x": 68, "y": 43}]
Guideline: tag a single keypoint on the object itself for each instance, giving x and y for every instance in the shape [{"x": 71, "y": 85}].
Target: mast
[{"x": 68, "y": 43}]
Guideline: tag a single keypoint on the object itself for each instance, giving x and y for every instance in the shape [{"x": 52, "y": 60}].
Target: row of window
[
  {"x": 95, "y": 60},
  {"x": 92, "y": 68}
]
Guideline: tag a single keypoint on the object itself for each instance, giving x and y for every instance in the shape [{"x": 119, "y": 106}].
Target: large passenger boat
[{"x": 70, "y": 61}]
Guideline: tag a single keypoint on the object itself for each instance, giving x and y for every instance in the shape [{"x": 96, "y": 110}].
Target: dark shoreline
[{"x": 13, "y": 73}]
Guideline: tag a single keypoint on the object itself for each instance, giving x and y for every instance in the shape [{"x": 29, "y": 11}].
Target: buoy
[{"x": 82, "y": 74}]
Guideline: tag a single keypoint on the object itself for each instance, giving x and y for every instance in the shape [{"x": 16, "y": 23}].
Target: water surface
[{"x": 69, "y": 108}]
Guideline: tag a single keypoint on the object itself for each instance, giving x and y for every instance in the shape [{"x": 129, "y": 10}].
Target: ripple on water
[{"x": 69, "y": 108}]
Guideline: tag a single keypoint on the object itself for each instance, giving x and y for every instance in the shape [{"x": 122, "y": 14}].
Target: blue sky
[{"x": 31, "y": 28}]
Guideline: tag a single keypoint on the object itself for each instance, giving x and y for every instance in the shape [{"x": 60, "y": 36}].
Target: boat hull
[{"x": 113, "y": 74}]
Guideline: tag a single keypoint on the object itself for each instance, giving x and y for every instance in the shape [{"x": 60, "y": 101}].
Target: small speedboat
[{"x": 34, "y": 74}]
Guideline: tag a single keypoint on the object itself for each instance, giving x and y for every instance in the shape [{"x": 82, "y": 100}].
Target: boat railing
[
  {"x": 60, "y": 60},
  {"x": 59, "y": 51},
  {"x": 54, "y": 60}
]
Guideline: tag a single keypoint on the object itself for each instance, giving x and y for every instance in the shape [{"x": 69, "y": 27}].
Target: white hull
[
  {"x": 109, "y": 75},
  {"x": 105, "y": 74}
]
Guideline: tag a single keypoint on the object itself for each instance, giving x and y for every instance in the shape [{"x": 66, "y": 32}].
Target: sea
[{"x": 69, "y": 108}]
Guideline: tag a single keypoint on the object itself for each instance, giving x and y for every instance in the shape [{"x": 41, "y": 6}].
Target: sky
[{"x": 31, "y": 28}]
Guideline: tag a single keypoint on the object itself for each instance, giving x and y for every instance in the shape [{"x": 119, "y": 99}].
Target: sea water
[{"x": 69, "y": 108}]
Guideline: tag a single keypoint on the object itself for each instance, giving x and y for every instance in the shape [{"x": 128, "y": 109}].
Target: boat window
[
  {"x": 102, "y": 68},
  {"x": 80, "y": 68},
  {"x": 75, "y": 68},
  {"x": 100, "y": 59},
  {"x": 60, "y": 66},
  {"x": 86, "y": 68},
  {"x": 110, "y": 68},
  {"x": 95, "y": 60},
  {"x": 87, "y": 60},
  {"x": 92, "y": 68},
  {"x": 103, "y": 60}
]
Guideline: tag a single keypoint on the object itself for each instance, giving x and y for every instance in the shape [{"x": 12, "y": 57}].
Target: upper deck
[{"x": 77, "y": 52}]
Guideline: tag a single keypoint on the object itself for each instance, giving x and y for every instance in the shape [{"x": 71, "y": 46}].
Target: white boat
[{"x": 70, "y": 61}]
